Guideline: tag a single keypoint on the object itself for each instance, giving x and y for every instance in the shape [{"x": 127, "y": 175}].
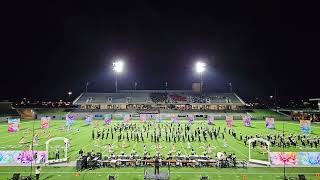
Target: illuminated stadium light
[
  {"x": 69, "y": 93},
  {"x": 200, "y": 67},
  {"x": 118, "y": 66}
]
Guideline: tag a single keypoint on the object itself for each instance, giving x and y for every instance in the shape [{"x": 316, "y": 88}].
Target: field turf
[{"x": 82, "y": 139}]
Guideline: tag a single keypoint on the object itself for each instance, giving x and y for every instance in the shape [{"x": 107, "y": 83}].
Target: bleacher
[
  {"x": 159, "y": 97},
  {"x": 227, "y": 98},
  {"x": 162, "y": 99},
  {"x": 7, "y": 110}
]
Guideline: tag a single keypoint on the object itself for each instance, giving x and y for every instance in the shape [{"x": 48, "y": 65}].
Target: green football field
[{"x": 80, "y": 136}]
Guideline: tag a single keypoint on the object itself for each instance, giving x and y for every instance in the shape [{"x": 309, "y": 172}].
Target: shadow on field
[
  {"x": 251, "y": 127},
  {"x": 48, "y": 177}
]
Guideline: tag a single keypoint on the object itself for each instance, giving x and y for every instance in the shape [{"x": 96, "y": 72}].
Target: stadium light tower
[
  {"x": 200, "y": 68},
  {"x": 117, "y": 68}
]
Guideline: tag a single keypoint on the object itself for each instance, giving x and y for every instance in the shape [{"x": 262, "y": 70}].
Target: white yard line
[
  {"x": 237, "y": 150},
  {"x": 78, "y": 151},
  {"x": 185, "y": 152},
  {"x": 55, "y": 135},
  {"x": 92, "y": 143}
]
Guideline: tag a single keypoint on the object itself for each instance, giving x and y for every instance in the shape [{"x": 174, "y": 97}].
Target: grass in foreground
[{"x": 68, "y": 173}]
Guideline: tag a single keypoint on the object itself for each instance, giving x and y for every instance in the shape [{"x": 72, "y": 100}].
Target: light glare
[
  {"x": 200, "y": 67},
  {"x": 118, "y": 66}
]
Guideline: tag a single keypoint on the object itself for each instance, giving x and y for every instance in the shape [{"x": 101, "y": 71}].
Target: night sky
[{"x": 49, "y": 49}]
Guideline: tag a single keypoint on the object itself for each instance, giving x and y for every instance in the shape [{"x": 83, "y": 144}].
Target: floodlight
[
  {"x": 118, "y": 66},
  {"x": 200, "y": 67}
]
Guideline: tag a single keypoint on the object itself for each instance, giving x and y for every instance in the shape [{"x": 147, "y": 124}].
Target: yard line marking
[
  {"x": 92, "y": 143},
  {"x": 185, "y": 152},
  {"x": 56, "y": 135},
  {"x": 238, "y": 151},
  {"x": 38, "y": 129}
]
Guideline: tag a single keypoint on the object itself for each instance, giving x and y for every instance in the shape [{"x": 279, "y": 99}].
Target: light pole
[
  {"x": 117, "y": 68},
  {"x": 200, "y": 68}
]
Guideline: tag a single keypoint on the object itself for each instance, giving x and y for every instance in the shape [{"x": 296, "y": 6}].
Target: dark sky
[{"x": 51, "y": 48}]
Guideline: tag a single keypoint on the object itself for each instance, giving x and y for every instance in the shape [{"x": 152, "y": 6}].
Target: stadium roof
[{"x": 158, "y": 96}]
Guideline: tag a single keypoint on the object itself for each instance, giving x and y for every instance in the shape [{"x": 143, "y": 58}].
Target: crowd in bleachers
[
  {"x": 178, "y": 98},
  {"x": 198, "y": 99},
  {"x": 159, "y": 97}
]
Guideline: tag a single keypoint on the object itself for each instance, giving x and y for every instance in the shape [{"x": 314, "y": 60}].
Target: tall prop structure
[
  {"x": 210, "y": 119},
  {"x": 107, "y": 118},
  {"x": 88, "y": 119},
  {"x": 13, "y": 124},
  {"x": 174, "y": 118},
  {"x": 246, "y": 121},
  {"x": 126, "y": 118},
  {"x": 229, "y": 121},
  {"x": 69, "y": 121},
  {"x": 267, "y": 148},
  {"x": 270, "y": 124},
  {"x": 157, "y": 118},
  {"x": 66, "y": 146},
  {"x": 143, "y": 118},
  {"x": 44, "y": 122},
  {"x": 305, "y": 126},
  {"x": 190, "y": 118}
]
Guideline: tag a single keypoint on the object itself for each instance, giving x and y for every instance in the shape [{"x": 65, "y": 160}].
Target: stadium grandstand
[
  {"x": 6, "y": 110},
  {"x": 316, "y": 100},
  {"x": 161, "y": 100}
]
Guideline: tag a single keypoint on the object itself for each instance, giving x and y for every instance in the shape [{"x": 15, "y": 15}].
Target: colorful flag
[
  {"x": 88, "y": 119},
  {"x": 126, "y": 118},
  {"x": 157, "y": 118},
  {"x": 210, "y": 119},
  {"x": 143, "y": 118},
  {"x": 44, "y": 122},
  {"x": 190, "y": 118},
  {"x": 305, "y": 126},
  {"x": 229, "y": 120},
  {"x": 107, "y": 118},
  {"x": 13, "y": 124},
  {"x": 270, "y": 124},
  {"x": 174, "y": 118},
  {"x": 246, "y": 121}
]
